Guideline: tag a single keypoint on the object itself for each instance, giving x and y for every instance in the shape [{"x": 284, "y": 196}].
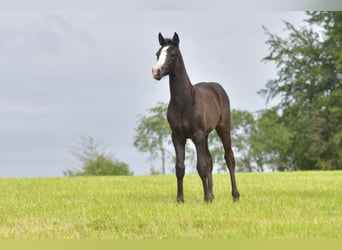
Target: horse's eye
[{"x": 173, "y": 54}]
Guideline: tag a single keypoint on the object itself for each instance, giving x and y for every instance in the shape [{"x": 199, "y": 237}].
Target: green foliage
[
  {"x": 243, "y": 123},
  {"x": 270, "y": 141},
  {"x": 309, "y": 84},
  {"x": 153, "y": 134},
  {"x": 260, "y": 141},
  {"x": 101, "y": 166},
  {"x": 95, "y": 162},
  {"x": 296, "y": 205}
]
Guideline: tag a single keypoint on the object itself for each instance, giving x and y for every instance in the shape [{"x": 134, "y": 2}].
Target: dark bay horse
[{"x": 193, "y": 112}]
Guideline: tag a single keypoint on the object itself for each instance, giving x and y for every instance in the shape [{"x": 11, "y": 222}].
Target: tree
[
  {"x": 332, "y": 98},
  {"x": 309, "y": 81},
  {"x": 153, "y": 134},
  {"x": 243, "y": 123},
  {"x": 270, "y": 141},
  {"x": 86, "y": 149},
  {"x": 103, "y": 165},
  {"x": 94, "y": 161}
]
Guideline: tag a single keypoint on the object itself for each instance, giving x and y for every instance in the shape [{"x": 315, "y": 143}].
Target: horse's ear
[
  {"x": 175, "y": 39},
  {"x": 162, "y": 40}
]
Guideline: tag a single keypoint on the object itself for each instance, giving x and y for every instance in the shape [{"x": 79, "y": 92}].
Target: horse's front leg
[{"x": 179, "y": 144}]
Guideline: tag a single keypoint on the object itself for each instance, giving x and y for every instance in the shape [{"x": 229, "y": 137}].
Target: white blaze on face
[
  {"x": 161, "y": 60},
  {"x": 162, "y": 56}
]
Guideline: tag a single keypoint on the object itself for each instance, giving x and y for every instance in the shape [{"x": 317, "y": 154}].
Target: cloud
[{"x": 24, "y": 35}]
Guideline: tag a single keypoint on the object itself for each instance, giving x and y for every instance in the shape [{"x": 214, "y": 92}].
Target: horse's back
[{"x": 213, "y": 89}]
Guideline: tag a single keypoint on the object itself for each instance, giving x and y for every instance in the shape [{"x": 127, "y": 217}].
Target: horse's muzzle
[{"x": 156, "y": 72}]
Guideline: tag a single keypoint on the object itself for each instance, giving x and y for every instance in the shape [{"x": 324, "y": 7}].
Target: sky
[{"x": 70, "y": 71}]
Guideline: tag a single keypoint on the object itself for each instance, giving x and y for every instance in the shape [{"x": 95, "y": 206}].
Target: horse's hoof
[
  {"x": 209, "y": 199},
  {"x": 236, "y": 196},
  {"x": 236, "y": 199},
  {"x": 180, "y": 200}
]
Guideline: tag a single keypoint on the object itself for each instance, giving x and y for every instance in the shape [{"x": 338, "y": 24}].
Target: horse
[{"x": 193, "y": 112}]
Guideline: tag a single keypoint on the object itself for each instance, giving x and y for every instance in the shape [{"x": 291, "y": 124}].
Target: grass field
[{"x": 304, "y": 205}]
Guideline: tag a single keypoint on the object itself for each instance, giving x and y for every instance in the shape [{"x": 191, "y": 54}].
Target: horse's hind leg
[
  {"x": 210, "y": 170},
  {"x": 224, "y": 134},
  {"x": 204, "y": 165}
]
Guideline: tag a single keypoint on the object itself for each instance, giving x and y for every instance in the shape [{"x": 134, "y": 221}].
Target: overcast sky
[{"x": 65, "y": 72}]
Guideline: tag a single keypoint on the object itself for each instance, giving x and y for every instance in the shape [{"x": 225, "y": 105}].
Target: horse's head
[{"x": 167, "y": 56}]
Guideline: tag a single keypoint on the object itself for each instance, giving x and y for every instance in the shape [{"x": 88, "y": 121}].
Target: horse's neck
[{"x": 181, "y": 89}]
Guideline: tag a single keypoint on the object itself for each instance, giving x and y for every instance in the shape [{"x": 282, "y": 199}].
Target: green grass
[{"x": 296, "y": 205}]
